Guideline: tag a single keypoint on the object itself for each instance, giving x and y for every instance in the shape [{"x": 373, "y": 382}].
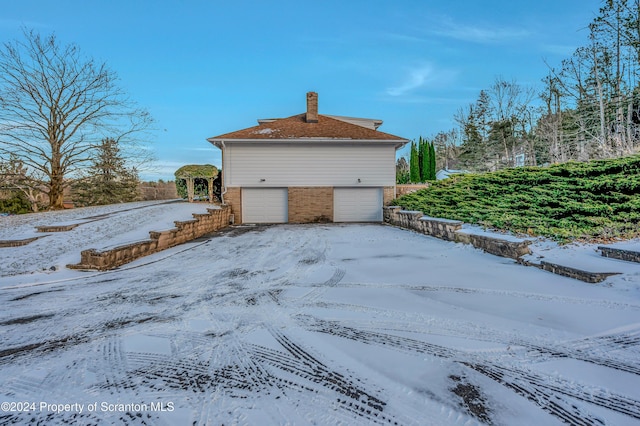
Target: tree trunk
[
  {"x": 629, "y": 128},
  {"x": 56, "y": 192},
  {"x": 33, "y": 199},
  {"x": 600, "y": 95}
]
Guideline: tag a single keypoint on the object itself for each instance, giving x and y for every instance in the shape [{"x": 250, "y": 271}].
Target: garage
[
  {"x": 264, "y": 205},
  {"x": 336, "y": 168},
  {"x": 357, "y": 204}
]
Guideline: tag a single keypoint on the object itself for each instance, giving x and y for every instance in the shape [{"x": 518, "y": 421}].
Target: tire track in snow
[
  {"x": 301, "y": 363},
  {"x": 319, "y": 290},
  {"x": 568, "y": 352},
  {"x": 548, "y": 395},
  {"x": 583, "y": 350},
  {"x": 610, "y": 304},
  {"x": 403, "y": 344},
  {"x": 111, "y": 371},
  {"x": 613, "y": 341}
]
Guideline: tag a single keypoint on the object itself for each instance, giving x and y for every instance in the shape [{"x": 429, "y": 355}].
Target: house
[
  {"x": 446, "y": 173},
  {"x": 308, "y": 168}
]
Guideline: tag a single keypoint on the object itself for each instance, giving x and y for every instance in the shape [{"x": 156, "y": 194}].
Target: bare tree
[
  {"x": 598, "y": 89},
  {"x": 56, "y": 106},
  {"x": 511, "y": 123},
  {"x": 447, "y": 145}
]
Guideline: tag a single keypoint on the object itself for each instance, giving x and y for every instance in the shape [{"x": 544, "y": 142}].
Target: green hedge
[{"x": 593, "y": 200}]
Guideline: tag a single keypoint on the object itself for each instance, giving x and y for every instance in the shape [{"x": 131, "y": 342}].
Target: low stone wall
[
  {"x": 184, "y": 231},
  {"x": 451, "y": 230},
  {"x": 497, "y": 246},
  {"x": 440, "y": 228},
  {"x": 17, "y": 243},
  {"x": 620, "y": 254},
  {"x": 578, "y": 274},
  {"x": 57, "y": 228}
]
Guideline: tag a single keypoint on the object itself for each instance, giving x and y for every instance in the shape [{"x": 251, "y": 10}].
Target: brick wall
[
  {"x": 310, "y": 204},
  {"x": 388, "y": 195},
  {"x": 409, "y": 188},
  {"x": 233, "y": 198},
  {"x": 305, "y": 204}
]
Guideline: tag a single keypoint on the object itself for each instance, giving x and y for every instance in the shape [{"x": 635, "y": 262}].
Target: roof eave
[
  {"x": 216, "y": 142},
  {"x": 398, "y": 143}
]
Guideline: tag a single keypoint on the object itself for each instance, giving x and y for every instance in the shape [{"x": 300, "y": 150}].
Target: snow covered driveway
[{"x": 320, "y": 324}]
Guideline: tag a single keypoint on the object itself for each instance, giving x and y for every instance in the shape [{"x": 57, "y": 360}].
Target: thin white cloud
[
  {"x": 209, "y": 148},
  {"x": 415, "y": 79},
  {"x": 420, "y": 77},
  {"x": 477, "y": 34}
]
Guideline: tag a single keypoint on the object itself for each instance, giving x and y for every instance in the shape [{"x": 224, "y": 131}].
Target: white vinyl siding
[
  {"x": 283, "y": 165},
  {"x": 264, "y": 205},
  {"x": 357, "y": 205}
]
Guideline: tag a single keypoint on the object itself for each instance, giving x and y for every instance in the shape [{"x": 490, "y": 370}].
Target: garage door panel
[
  {"x": 264, "y": 205},
  {"x": 357, "y": 204}
]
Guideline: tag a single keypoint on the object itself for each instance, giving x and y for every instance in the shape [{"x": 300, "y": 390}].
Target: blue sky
[{"x": 204, "y": 68}]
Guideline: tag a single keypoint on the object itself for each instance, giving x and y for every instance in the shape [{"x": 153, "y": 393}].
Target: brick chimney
[{"x": 312, "y": 107}]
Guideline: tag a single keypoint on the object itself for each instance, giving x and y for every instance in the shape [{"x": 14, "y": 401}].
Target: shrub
[{"x": 594, "y": 200}]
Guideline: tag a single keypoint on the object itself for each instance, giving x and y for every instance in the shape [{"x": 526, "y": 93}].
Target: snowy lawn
[{"x": 306, "y": 324}]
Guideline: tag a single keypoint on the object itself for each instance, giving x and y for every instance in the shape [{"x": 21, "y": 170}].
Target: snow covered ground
[{"x": 305, "y": 324}]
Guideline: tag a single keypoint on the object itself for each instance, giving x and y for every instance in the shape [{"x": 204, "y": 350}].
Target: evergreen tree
[
  {"x": 108, "y": 180},
  {"x": 425, "y": 159},
  {"x": 414, "y": 164},
  {"x": 432, "y": 162},
  {"x": 402, "y": 171}
]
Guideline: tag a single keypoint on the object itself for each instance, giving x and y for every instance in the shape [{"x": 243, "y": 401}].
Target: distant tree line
[{"x": 588, "y": 106}]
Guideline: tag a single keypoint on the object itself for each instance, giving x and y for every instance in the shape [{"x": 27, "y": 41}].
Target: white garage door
[
  {"x": 264, "y": 205},
  {"x": 357, "y": 205}
]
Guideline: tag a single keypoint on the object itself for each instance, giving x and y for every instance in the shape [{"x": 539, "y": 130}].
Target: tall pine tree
[
  {"x": 424, "y": 160},
  {"x": 414, "y": 164},
  {"x": 432, "y": 162}
]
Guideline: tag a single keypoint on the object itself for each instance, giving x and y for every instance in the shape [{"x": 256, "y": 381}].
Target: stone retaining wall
[
  {"x": 184, "y": 231},
  {"x": 578, "y": 274},
  {"x": 57, "y": 228},
  {"x": 620, "y": 254},
  {"x": 17, "y": 243},
  {"x": 497, "y": 246},
  {"x": 451, "y": 230}
]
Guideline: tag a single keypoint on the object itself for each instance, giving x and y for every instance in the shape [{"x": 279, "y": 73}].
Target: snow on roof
[{"x": 296, "y": 127}]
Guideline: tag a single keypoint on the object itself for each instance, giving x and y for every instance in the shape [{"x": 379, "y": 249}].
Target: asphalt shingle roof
[{"x": 296, "y": 127}]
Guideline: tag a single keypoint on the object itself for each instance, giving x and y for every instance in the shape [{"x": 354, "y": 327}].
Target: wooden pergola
[{"x": 192, "y": 172}]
